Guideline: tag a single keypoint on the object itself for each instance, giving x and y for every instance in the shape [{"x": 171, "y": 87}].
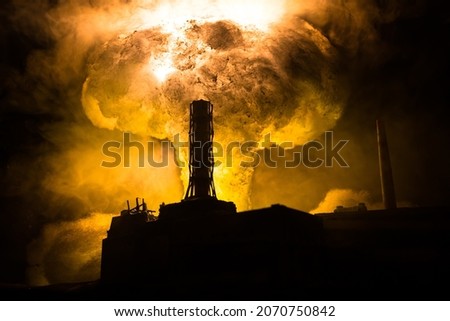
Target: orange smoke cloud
[
  {"x": 65, "y": 253},
  {"x": 135, "y": 66},
  {"x": 262, "y": 74},
  {"x": 346, "y": 198}
]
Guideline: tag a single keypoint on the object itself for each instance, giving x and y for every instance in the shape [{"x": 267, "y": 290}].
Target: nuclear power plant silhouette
[{"x": 201, "y": 248}]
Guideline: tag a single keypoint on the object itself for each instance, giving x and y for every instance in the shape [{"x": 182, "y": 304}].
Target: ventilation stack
[
  {"x": 387, "y": 182},
  {"x": 200, "y": 200},
  {"x": 201, "y": 158}
]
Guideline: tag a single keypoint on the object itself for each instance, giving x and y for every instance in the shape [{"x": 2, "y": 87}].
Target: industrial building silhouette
[{"x": 201, "y": 248}]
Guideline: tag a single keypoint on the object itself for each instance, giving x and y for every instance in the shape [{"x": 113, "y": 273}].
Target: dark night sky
[{"x": 404, "y": 79}]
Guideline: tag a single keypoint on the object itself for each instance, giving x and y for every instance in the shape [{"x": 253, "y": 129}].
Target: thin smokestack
[{"x": 387, "y": 182}]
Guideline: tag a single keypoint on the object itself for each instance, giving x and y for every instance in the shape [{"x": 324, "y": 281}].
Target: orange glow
[
  {"x": 171, "y": 53},
  {"x": 143, "y": 61}
]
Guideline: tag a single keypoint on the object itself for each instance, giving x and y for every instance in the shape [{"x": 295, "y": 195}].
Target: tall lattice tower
[{"x": 201, "y": 158}]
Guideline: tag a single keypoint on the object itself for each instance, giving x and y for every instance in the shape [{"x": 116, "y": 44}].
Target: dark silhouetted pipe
[{"x": 387, "y": 182}]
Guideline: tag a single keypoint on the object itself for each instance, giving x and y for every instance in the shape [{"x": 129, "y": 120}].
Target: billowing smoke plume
[
  {"x": 346, "y": 198},
  {"x": 109, "y": 67},
  {"x": 58, "y": 256},
  {"x": 279, "y": 81}
]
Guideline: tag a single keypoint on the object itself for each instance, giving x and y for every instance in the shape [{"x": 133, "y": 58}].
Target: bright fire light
[
  {"x": 260, "y": 14},
  {"x": 173, "y": 20},
  {"x": 162, "y": 67}
]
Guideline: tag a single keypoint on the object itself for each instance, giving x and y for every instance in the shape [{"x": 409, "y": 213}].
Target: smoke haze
[{"x": 77, "y": 74}]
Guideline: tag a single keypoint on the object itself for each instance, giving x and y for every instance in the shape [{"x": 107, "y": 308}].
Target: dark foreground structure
[
  {"x": 281, "y": 253},
  {"x": 269, "y": 254},
  {"x": 202, "y": 249}
]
